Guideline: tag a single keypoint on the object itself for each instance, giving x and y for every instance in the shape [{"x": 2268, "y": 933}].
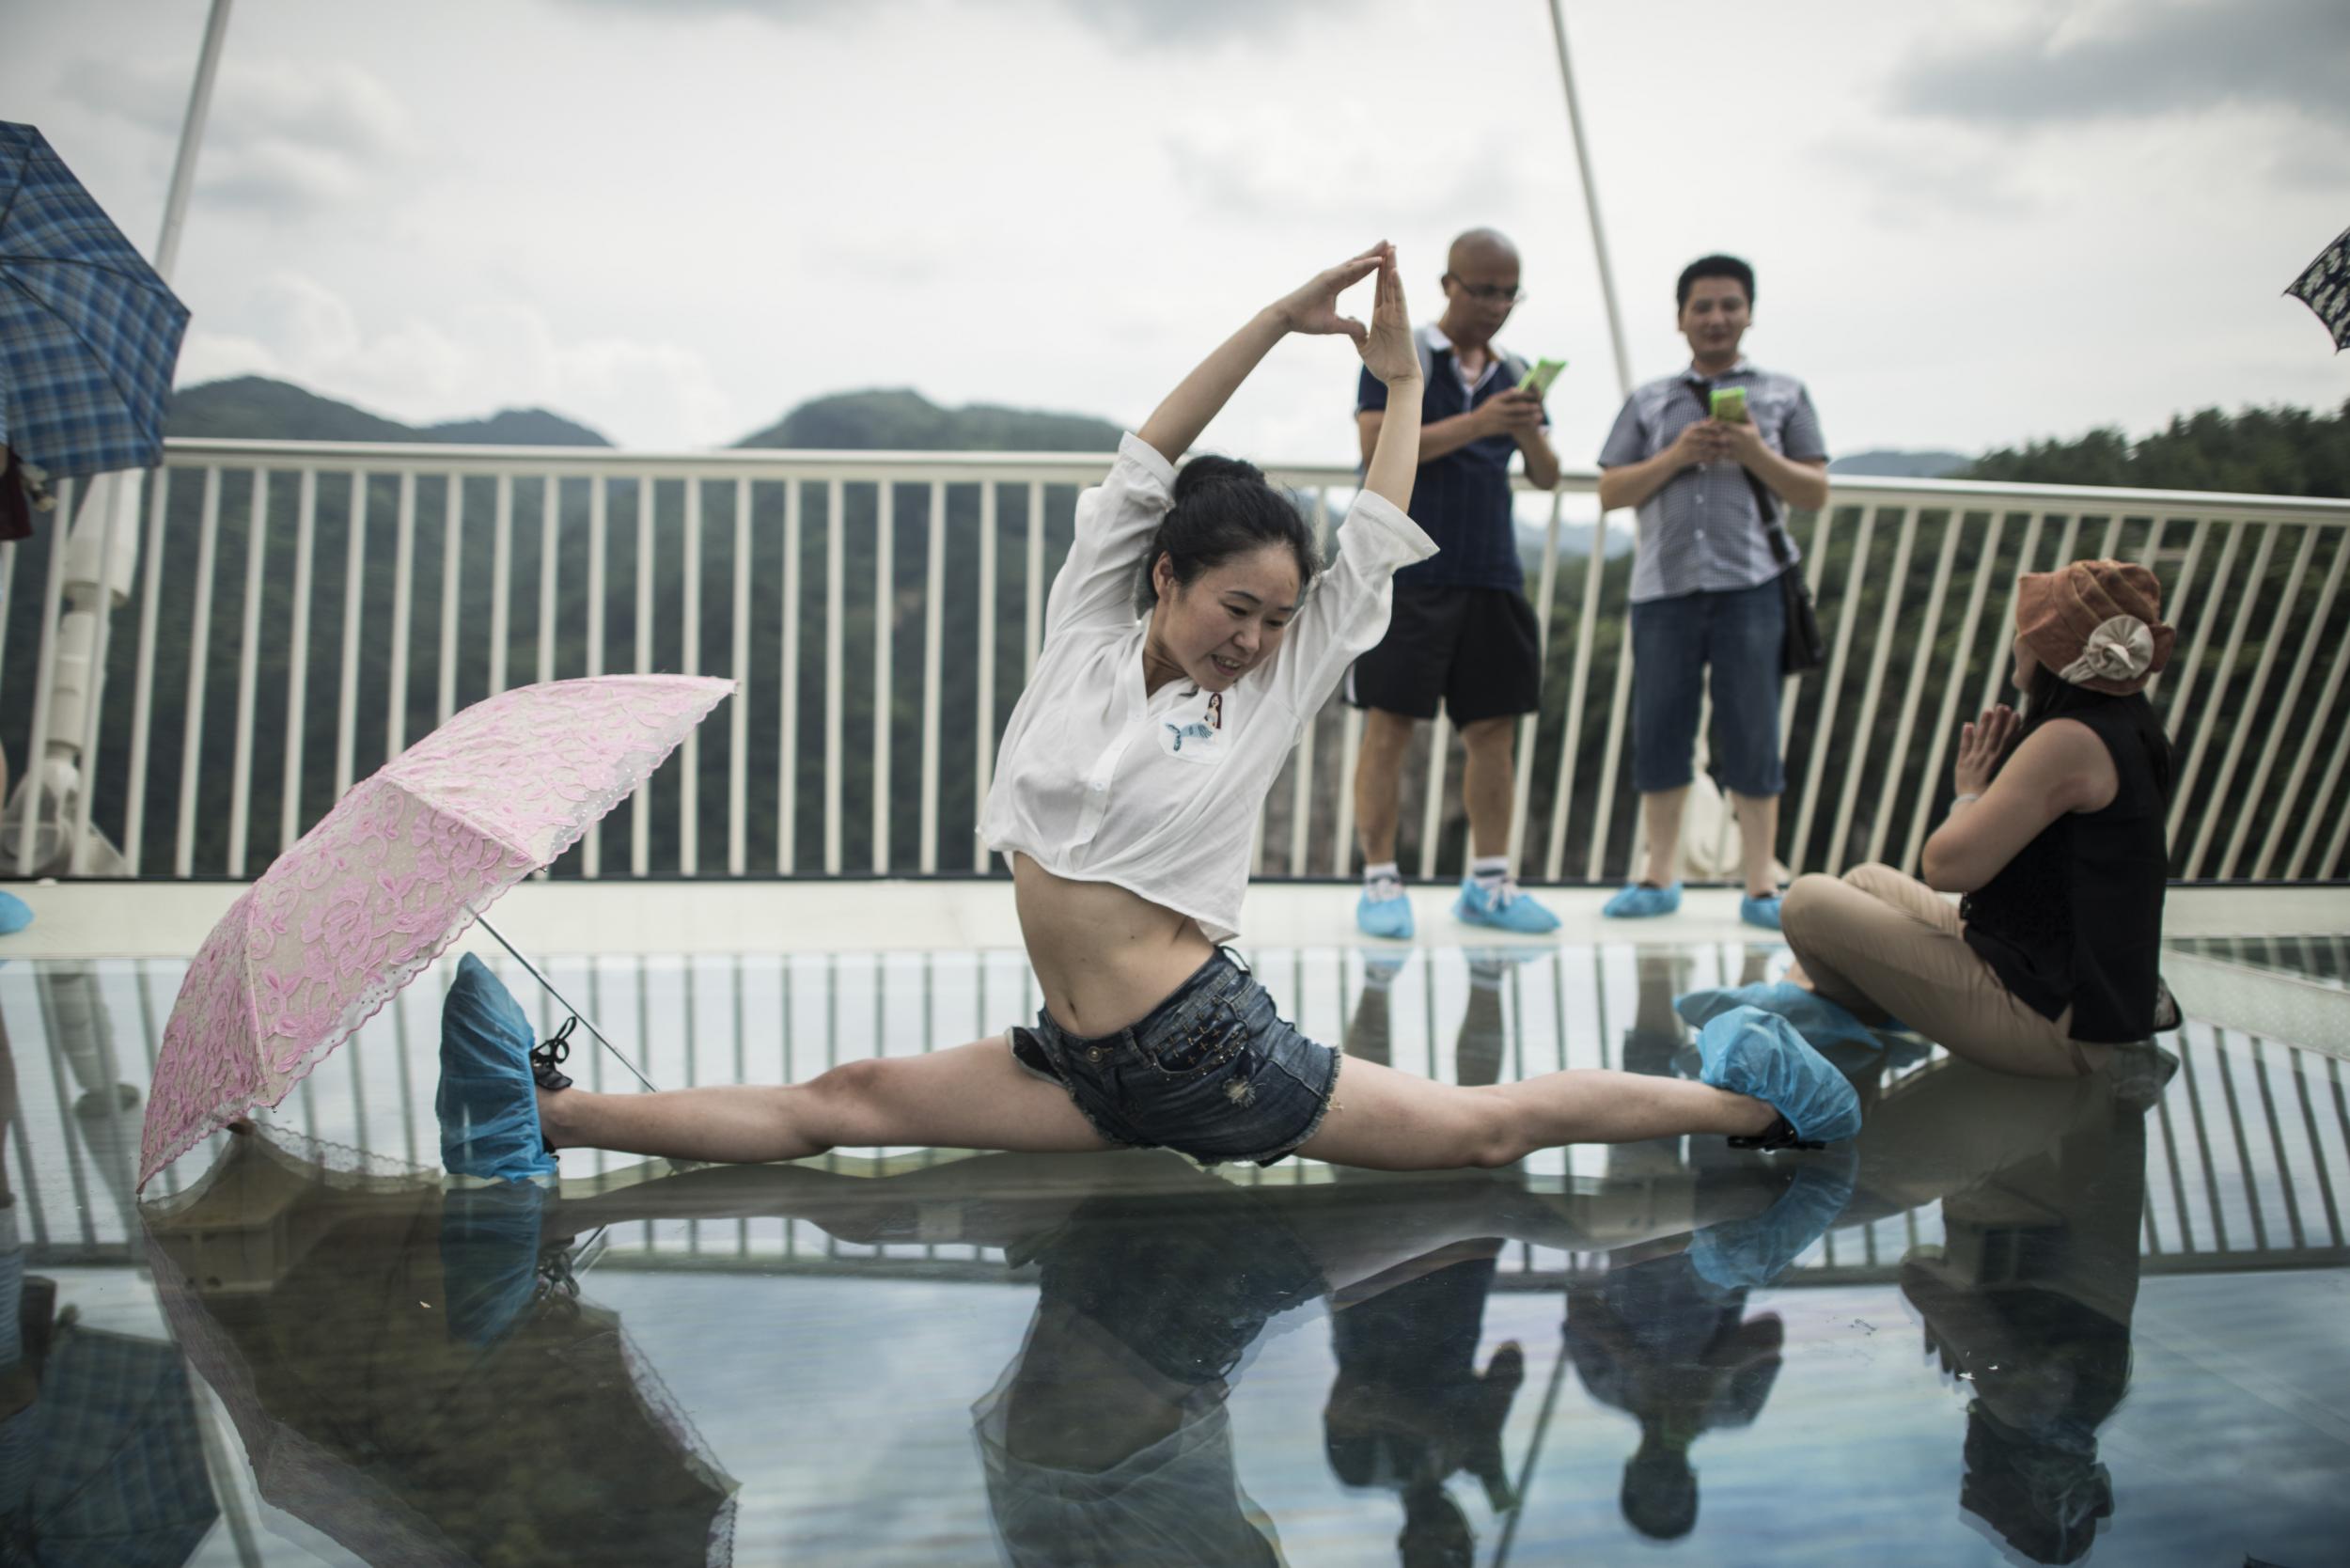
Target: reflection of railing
[
  {"x": 2248, "y": 1151},
  {"x": 281, "y": 643}
]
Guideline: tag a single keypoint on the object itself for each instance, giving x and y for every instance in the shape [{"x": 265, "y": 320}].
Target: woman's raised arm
[{"x": 1177, "y": 422}]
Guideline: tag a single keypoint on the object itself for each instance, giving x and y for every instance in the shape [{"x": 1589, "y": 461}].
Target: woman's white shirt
[{"x": 1160, "y": 793}]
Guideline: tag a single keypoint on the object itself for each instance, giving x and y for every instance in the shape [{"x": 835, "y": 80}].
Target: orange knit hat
[{"x": 2096, "y": 623}]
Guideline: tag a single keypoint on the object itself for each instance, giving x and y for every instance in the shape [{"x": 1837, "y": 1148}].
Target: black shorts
[{"x": 1476, "y": 650}]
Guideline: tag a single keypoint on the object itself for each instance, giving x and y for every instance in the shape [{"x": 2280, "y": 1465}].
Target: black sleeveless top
[{"x": 2076, "y": 918}]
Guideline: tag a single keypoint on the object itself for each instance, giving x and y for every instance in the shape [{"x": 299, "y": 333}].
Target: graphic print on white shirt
[{"x": 1193, "y": 729}]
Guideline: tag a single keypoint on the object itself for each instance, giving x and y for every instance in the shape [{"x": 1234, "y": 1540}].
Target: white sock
[
  {"x": 1383, "y": 882},
  {"x": 1490, "y": 871}
]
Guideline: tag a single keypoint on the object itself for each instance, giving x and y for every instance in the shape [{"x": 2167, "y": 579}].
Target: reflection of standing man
[
  {"x": 1461, "y": 632},
  {"x": 1712, "y": 495}
]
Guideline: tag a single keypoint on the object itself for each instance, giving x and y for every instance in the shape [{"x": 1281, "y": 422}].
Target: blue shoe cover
[
  {"x": 1507, "y": 910},
  {"x": 1748, "y": 1051},
  {"x": 1388, "y": 918},
  {"x": 488, "y": 1104},
  {"x": 1640, "y": 902},
  {"x": 15, "y": 913},
  {"x": 1761, "y": 911},
  {"x": 1817, "y": 1019},
  {"x": 1741, "y": 1254},
  {"x": 489, "y": 1258}
]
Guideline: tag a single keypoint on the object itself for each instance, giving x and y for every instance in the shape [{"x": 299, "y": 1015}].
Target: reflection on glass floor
[
  {"x": 2009, "y": 1323},
  {"x": 2320, "y": 959}
]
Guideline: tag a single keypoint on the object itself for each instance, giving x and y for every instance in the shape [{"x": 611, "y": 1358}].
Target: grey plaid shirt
[{"x": 1701, "y": 533}]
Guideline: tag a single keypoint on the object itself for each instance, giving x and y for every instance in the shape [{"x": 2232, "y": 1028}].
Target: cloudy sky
[{"x": 674, "y": 219}]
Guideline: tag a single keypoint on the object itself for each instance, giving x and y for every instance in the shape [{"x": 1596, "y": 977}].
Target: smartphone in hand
[
  {"x": 1539, "y": 375},
  {"x": 1730, "y": 404}
]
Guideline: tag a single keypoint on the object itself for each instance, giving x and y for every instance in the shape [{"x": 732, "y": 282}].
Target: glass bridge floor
[{"x": 2014, "y": 1321}]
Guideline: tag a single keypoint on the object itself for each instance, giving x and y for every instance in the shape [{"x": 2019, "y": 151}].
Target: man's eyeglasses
[{"x": 1490, "y": 293}]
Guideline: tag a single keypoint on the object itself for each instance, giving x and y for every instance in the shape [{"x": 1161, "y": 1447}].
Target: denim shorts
[
  {"x": 1673, "y": 642},
  {"x": 1213, "y": 1072}
]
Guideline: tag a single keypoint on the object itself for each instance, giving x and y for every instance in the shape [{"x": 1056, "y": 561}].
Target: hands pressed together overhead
[{"x": 1385, "y": 344}]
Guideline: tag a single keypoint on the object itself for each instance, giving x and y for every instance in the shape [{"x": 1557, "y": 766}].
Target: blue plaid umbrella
[
  {"x": 116, "y": 1463},
  {"x": 2324, "y": 288},
  {"x": 88, "y": 332}
]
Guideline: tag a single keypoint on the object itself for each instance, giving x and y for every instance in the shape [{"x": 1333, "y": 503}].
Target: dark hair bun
[{"x": 1202, "y": 471}]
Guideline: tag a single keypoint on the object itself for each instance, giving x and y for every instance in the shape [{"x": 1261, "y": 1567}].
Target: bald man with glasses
[{"x": 1462, "y": 634}]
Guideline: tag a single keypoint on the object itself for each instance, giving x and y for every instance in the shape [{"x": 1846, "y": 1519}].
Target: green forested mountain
[
  {"x": 901, "y": 420},
  {"x": 260, "y": 409},
  {"x": 2264, "y": 451}
]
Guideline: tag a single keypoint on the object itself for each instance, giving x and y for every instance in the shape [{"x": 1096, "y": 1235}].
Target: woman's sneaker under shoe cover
[
  {"x": 1748, "y": 1051},
  {"x": 1639, "y": 902}
]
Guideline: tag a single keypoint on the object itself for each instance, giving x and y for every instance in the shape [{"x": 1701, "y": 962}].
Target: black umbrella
[{"x": 2324, "y": 288}]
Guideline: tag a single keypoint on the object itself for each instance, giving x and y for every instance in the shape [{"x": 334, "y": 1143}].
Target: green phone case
[{"x": 1730, "y": 403}]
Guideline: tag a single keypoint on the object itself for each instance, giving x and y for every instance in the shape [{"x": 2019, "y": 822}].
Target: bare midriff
[{"x": 1105, "y": 956}]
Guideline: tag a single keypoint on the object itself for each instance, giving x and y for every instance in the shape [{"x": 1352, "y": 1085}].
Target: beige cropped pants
[{"x": 1881, "y": 945}]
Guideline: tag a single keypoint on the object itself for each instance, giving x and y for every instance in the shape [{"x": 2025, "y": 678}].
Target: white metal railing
[{"x": 280, "y": 643}]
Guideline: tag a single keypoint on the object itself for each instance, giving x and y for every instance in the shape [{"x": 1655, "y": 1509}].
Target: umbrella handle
[{"x": 551, "y": 991}]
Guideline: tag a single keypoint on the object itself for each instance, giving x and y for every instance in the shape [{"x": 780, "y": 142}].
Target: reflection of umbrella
[
  {"x": 118, "y": 1479},
  {"x": 375, "y": 1408},
  {"x": 2324, "y": 288},
  {"x": 403, "y": 864},
  {"x": 88, "y": 332}
]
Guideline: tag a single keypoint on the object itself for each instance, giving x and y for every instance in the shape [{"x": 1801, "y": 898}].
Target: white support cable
[
  {"x": 453, "y": 556},
  {"x": 550, "y": 555},
  {"x": 1611, "y": 751},
  {"x": 1863, "y": 753},
  {"x": 2240, "y": 732},
  {"x": 142, "y": 679},
  {"x": 199, "y": 654},
  {"x": 93, "y": 706},
  {"x": 835, "y": 529},
  {"x": 1579, "y": 681},
  {"x": 1032, "y": 607},
  {"x": 1930, "y": 626},
  {"x": 640, "y": 803},
  {"x": 788, "y": 697},
  {"x": 241, "y": 767},
  {"x": 1530, "y": 727},
  {"x": 983, "y": 762},
  {"x": 501, "y": 581},
  {"x": 298, "y": 657},
  {"x": 2308, "y": 746},
  {"x": 403, "y": 609},
  {"x": 739, "y": 667},
  {"x": 933, "y": 598},
  {"x": 599, "y": 523},
  {"x": 2185, "y": 785},
  {"x": 1302, "y": 755},
  {"x": 2175, "y": 602},
  {"x": 354, "y": 588},
  {"x": 1824, "y": 727},
  {"x": 690, "y": 663},
  {"x": 885, "y": 628}
]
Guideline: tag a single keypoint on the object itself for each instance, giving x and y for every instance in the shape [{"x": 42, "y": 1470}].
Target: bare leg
[
  {"x": 1758, "y": 841},
  {"x": 1378, "y": 777},
  {"x": 1661, "y": 813},
  {"x": 973, "y": 1096},
  {"x": 1486, "y": 783},
  {"x": 1383, "y": 1120}
]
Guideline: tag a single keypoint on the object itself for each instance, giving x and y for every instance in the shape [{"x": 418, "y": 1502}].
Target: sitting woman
[
  {"x": 2055, "y": 839},
  {"x": 1183, "y": 653}
]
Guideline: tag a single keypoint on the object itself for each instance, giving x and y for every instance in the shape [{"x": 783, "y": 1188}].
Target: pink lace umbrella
[{"x": 368, "y": 897}]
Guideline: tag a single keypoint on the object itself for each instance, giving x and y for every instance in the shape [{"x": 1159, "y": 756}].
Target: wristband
[{"x": 1957, "y": 801}]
